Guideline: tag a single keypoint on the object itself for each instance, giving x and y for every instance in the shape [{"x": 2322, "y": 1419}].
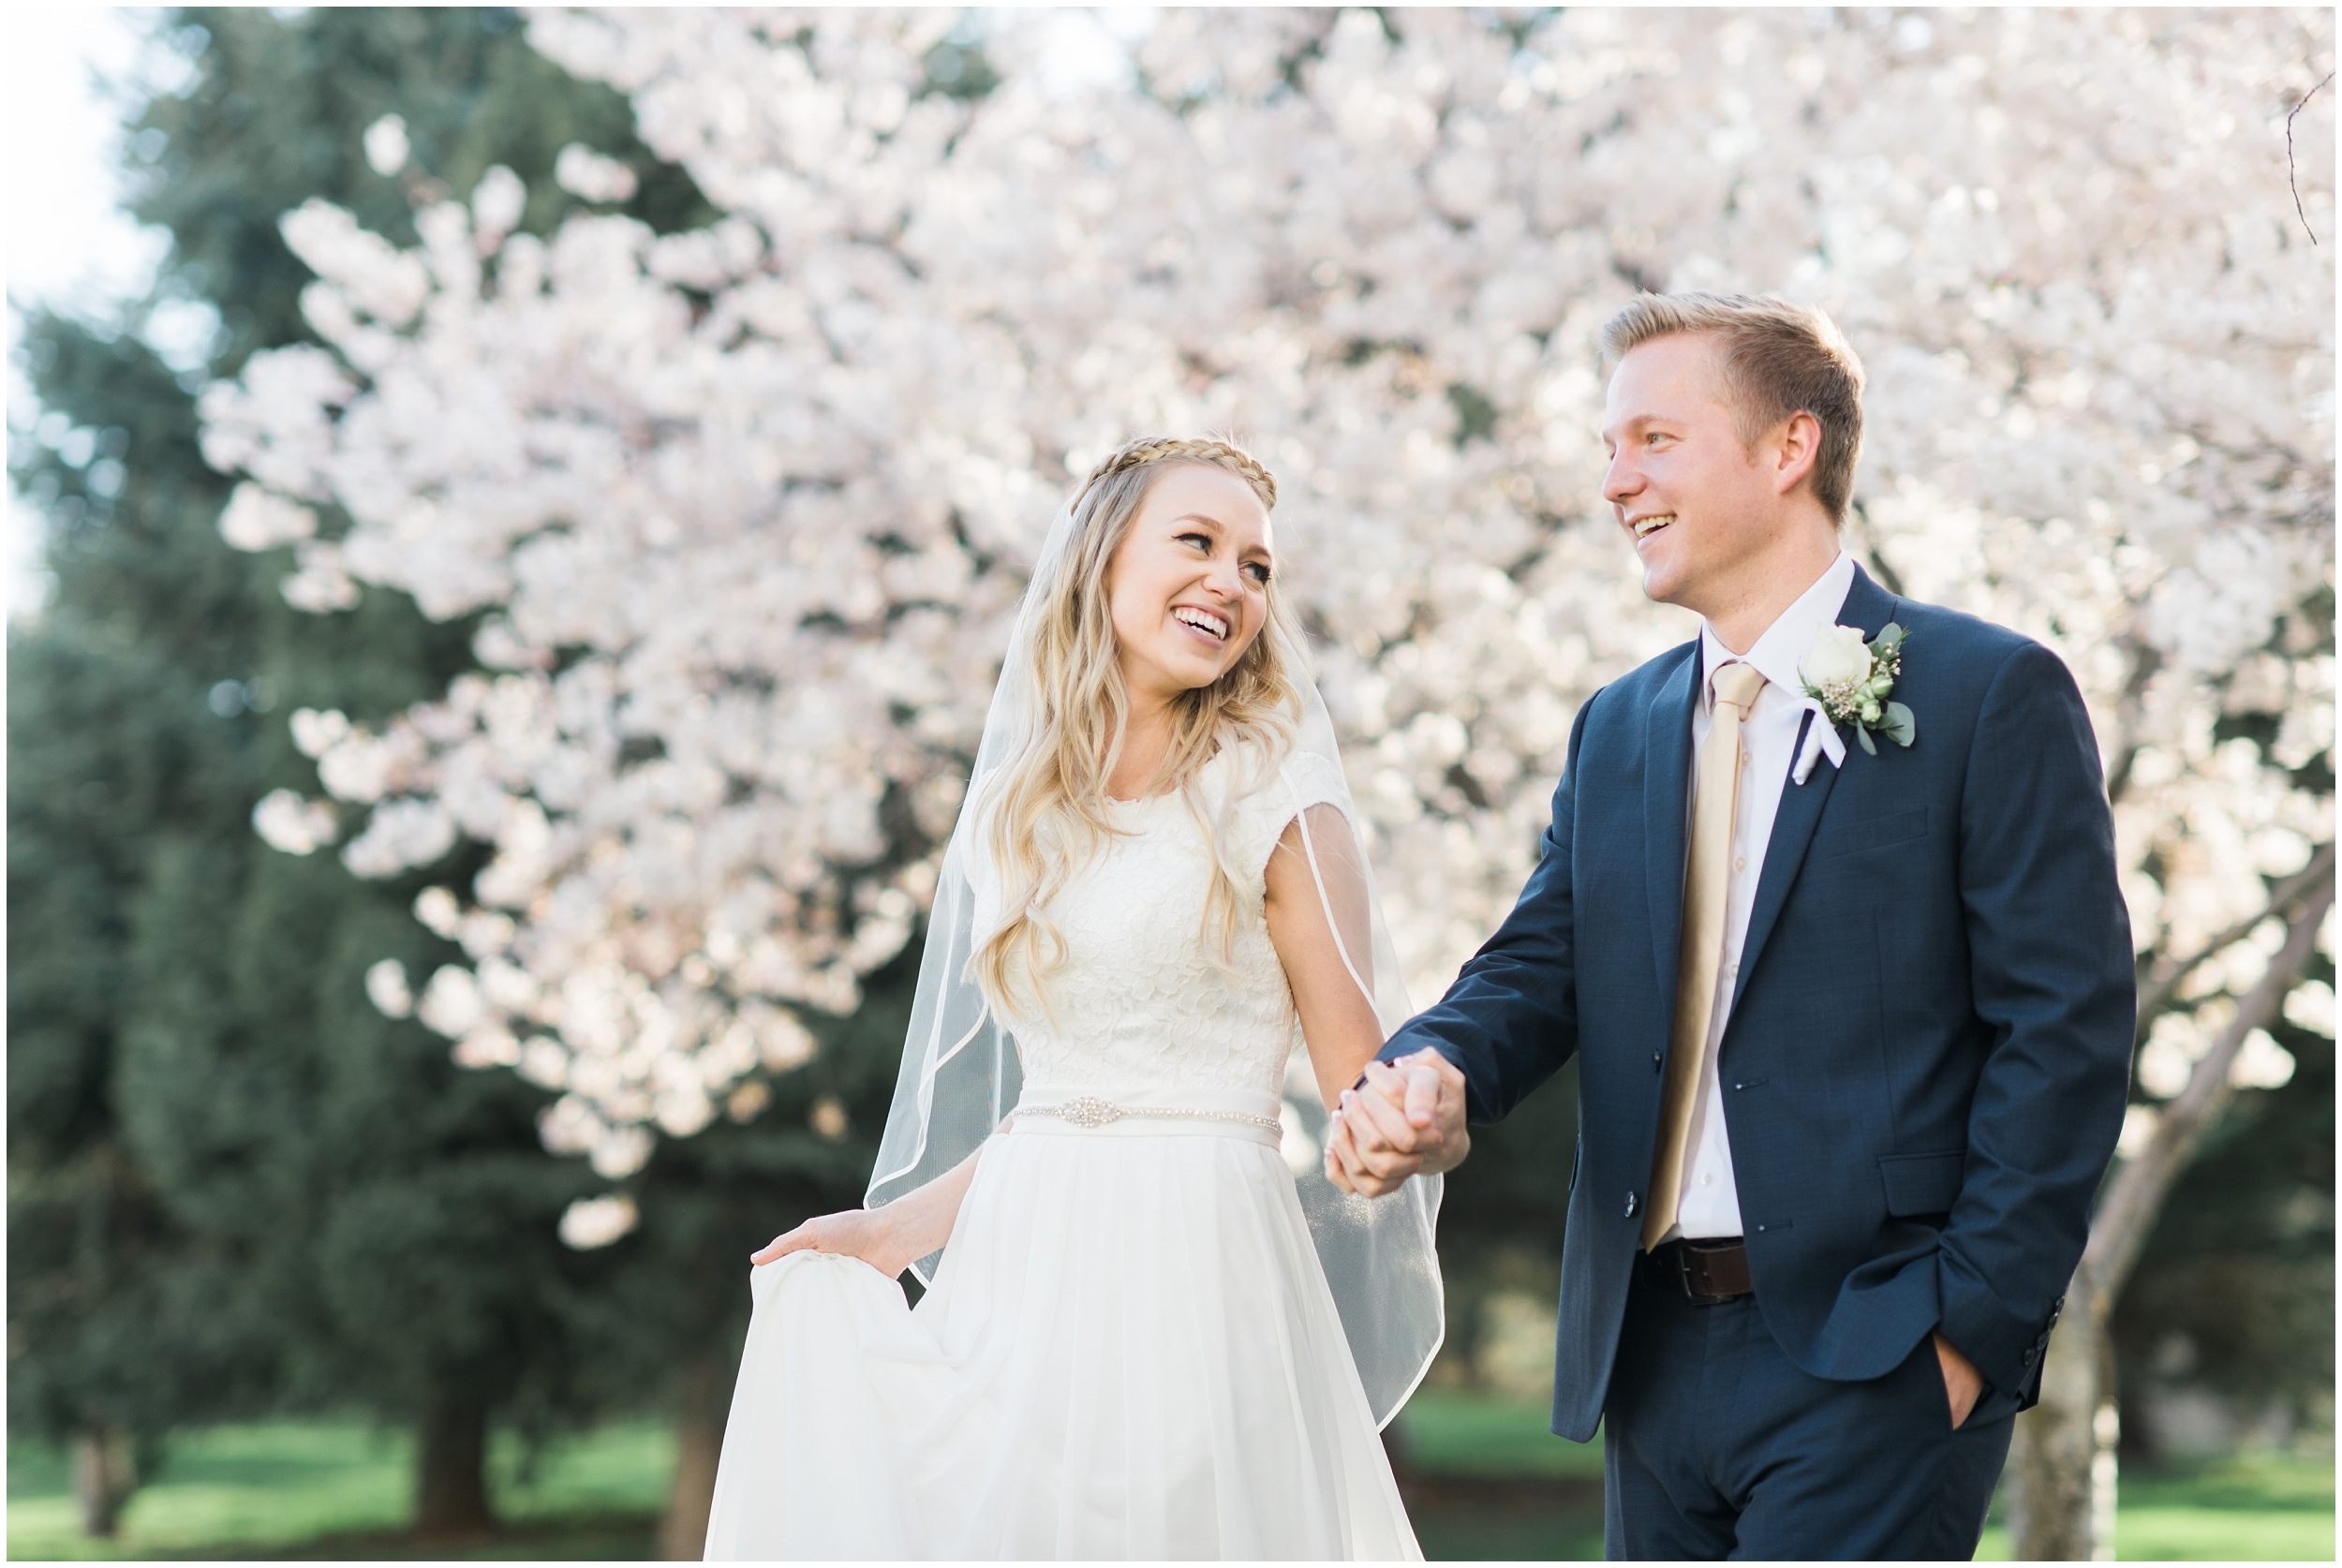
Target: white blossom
[
  {"x": 439, "y": 911},
  {"x": 583, "y": 172},
  {"x": 451, "y": 1003},
  {"x": 385, "y": 143},
  {"x": 2311, "y": 1007},
  {"x": 320, "y": 584},
  {"x": 746, "y": 509},
  {"x": 387, "y": 988},
  {"x": 591, "y": 1222},
  {"x": 256, "y": 520},
  {"x": 399, "y": 833},
  {"x": 287, "y": 820},
  {"x": 315, "y": 732},
  {"x": 2260, "y": 1063}
]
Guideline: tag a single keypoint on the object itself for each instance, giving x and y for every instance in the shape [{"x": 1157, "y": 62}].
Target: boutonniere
[{"x": 1850, "y": 679}]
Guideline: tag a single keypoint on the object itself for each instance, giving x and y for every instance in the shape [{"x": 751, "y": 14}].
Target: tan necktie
[{"x": 1702, "y": 951}]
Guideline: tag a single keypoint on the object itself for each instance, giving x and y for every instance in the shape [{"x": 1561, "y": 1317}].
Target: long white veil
[{"x": 961, "y": 1074}]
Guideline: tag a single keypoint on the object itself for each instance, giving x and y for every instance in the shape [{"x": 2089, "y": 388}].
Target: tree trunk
[
  {"x": 451, "y": 1471},
  {"x": 2049, "y": 1459},
  {"x": 698, "y": 1445},
  {"x": 2060, "y": 1462},
  {"x": 104, "y": 1475}
]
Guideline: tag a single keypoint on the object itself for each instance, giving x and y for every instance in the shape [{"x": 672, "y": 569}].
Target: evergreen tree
[
  {"x": 233, "y": 1182},
  {"x": 122, "y": 1321}
]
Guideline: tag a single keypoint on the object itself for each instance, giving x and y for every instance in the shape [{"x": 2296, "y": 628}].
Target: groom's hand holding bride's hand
[{"x": 1408, "y": 1118}]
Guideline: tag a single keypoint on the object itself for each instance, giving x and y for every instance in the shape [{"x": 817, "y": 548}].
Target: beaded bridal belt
[
  {"x": 1223, "y": 1112},
  {"x": 1086, "y": 1111}
]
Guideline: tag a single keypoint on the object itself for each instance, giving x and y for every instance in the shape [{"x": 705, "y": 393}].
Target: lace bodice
[{"x": 1139, "y": 1001}]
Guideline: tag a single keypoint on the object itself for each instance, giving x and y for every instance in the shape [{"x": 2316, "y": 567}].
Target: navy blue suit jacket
[{"x": 1929, "y": 1047}]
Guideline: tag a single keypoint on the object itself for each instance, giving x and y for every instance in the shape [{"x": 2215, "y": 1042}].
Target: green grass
[
  {"x": 1463, "y": 1446},
  {"x": 2252, "y": 1507},
  {"x": 2259, "y": 1507},
  {"x": 1494, "y": 1484},
  {"x": 1492, "y": 1535},
  {"x": 1450, "y": 1433},
  {"x": 341, "y": 1488}
]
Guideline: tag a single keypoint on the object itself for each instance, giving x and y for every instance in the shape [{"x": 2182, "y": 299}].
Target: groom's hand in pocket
[
  {"x": 1963, "y": 1384},
  {"x": 1406, "y": 1117}
]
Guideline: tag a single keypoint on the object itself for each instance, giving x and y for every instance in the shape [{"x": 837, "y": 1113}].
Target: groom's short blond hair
[{"x": 1776, "y": 360}]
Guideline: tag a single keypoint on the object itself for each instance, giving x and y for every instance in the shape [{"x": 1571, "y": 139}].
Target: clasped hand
[{"x": 1407, "y": 1118}]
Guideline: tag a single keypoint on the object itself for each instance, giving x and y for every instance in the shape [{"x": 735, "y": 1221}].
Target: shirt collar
[{"x": 1777, "y": 654}]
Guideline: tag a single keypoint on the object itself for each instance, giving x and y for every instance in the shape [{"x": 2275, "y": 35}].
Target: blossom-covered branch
[{"x": 747, "y": 508}]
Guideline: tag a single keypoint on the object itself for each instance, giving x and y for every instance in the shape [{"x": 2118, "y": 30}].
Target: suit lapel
[
  {"x": 1665, "y": 793},
  {"x": 1870, "y": 607}
]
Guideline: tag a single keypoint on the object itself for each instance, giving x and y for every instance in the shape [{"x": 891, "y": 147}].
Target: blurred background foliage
[
  {"x": 238, "y": 1192},
  {"x": 235, "y": 1187}
]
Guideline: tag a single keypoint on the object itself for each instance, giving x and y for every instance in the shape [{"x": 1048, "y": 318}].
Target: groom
[{"x": 1850, "y": 985}]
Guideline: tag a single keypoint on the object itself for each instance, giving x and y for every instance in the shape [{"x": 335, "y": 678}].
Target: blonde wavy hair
[{"x": 1042, "y": 814}]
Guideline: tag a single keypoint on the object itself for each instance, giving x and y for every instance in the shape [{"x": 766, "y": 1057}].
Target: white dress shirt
[{"x": 1711, "y": 1203}]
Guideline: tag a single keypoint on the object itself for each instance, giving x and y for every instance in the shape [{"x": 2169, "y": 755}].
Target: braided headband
[{"x": 1156, "y": 448}]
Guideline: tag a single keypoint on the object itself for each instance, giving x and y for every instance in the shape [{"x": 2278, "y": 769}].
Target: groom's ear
[{"x": 1791, "y": 451}]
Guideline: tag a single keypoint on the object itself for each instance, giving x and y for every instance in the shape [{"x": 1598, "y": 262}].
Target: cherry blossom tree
[{"x": 746, "y": 509}]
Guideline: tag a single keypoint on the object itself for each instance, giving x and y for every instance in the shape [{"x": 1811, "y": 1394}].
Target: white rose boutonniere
[{"x": 1850, "y": 679}]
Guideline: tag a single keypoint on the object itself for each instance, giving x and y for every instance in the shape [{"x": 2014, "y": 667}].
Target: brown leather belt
[{"x": 1707, "y": 1272}]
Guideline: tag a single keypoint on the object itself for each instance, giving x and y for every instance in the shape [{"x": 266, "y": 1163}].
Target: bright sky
[{"x": 67, "y": 243}]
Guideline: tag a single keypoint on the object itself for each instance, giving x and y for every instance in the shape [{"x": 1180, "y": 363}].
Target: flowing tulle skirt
[{"x": 1128, "y": 1352}]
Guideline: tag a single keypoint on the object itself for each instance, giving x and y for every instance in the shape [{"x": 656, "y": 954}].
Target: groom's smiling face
[{"x": 1697, "y": 504}]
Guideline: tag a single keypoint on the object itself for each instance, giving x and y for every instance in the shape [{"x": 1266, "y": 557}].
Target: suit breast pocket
[
  {"x": 1873, "y": 833},
  {"x": 1923, "y": 1183}
]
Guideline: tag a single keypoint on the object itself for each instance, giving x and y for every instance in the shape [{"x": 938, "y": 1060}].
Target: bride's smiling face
[{"x": 1188, "y": 589}]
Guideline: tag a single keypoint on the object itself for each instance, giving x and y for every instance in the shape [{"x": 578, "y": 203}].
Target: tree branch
[
  {"x": 2290, "y": 178},
  {"x": 2154, "y": 992},
  {"x": 2145, "y": 661},
  {"x": 2124, "y": 1220}
]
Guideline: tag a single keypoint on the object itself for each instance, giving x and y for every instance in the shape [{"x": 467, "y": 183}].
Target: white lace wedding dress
[{"x": 1130, "y": 1350}]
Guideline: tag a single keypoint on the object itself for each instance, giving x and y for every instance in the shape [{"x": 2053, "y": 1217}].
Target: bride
[{"x": 1152, "y": 1327}]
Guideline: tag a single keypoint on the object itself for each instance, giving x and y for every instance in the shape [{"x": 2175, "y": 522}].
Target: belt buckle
[{"x": 1683, "y": 1277}]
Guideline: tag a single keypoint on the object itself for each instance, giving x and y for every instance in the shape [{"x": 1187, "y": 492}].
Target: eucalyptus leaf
[
  {"x": 1899, "y": 727},
  {"x": 1864, "y": 736}
]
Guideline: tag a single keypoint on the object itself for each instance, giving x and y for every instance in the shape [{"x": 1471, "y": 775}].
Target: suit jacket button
[
  {"x": 1630, "y": 1205},
  {"x": 1654, "y": 1061},
  {"x": 2029, "y": 1353}
]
